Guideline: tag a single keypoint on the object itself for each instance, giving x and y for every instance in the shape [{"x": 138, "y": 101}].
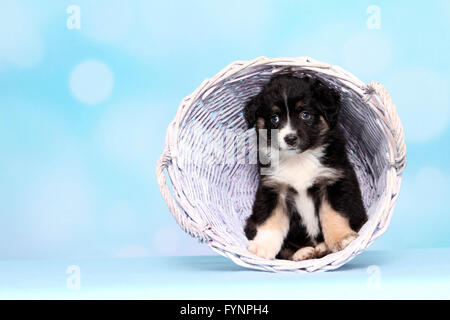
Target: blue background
[{"x": 83, "y": 112}]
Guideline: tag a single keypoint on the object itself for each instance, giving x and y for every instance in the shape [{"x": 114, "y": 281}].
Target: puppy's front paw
[
  {"x": 304, "y": 254},
  {"x": 342, "y": 243},
  {"x": 263, "y": 249},
  {"x": 321, "y": 250}
]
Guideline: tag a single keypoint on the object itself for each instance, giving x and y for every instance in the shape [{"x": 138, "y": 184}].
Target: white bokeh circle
[{"x": 91, "y": 82}]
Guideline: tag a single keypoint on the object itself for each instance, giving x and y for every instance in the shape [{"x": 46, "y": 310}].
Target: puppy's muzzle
[{"x": 291, "y": 140}]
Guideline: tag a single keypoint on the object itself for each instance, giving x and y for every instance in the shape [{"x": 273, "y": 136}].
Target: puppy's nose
[{"x": 291, "y": 139}]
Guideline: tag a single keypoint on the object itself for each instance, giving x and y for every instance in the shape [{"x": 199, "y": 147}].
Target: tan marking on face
[
  {"x": 260, "y": 123},
  {"x": 323, "y": 125},
  {"x": 276, "y": 109},
  {"x": 335, "y": 228},
  {"x": 300, "y": 104}
]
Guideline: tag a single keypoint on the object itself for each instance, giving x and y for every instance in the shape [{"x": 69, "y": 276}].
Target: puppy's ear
[
  {"x": 329, "y": 101},
  {"x": 250, "y": 111}
]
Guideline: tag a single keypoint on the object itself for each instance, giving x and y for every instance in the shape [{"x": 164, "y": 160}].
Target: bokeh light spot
[{"x": 91, "y": 82}]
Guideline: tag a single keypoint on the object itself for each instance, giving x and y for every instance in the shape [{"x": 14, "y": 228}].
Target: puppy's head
[{"x": 302, "y": 110}]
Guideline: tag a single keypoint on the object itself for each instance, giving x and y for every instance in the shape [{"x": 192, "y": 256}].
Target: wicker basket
[{"x": 211, "y": 199}]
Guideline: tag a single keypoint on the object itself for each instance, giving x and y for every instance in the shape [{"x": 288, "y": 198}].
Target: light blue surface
[
  {"x": 404, "y": 274},
  {"x": 83, "y": 112}
]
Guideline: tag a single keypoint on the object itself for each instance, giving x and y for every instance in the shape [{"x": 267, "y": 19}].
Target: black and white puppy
[{"x": 308, "y": 201}]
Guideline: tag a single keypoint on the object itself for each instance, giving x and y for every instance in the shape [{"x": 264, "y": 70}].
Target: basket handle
[
  {"x": 395, "y": 123},
  {"x": 180, "y": 216}
]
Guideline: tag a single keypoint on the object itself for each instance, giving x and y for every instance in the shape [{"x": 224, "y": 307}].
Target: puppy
[{"x": 308, "y": 202}]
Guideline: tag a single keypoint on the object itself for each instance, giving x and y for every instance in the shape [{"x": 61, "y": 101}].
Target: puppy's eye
[
  {"x": 304, "y": 115},
  {"x": 275, "y": 119}
]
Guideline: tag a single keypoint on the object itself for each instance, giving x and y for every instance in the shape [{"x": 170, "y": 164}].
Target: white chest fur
[{"x": 300, "y": 171}]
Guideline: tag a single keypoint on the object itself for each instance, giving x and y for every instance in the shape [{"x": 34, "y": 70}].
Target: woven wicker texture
[{"x": 211, "y": 197}]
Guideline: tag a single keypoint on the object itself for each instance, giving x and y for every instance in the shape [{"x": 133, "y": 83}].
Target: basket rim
[{"x": 373, "y": 94}]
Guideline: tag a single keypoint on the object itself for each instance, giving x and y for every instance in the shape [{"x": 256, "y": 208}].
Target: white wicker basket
[{"x": 211, "y": 199}]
